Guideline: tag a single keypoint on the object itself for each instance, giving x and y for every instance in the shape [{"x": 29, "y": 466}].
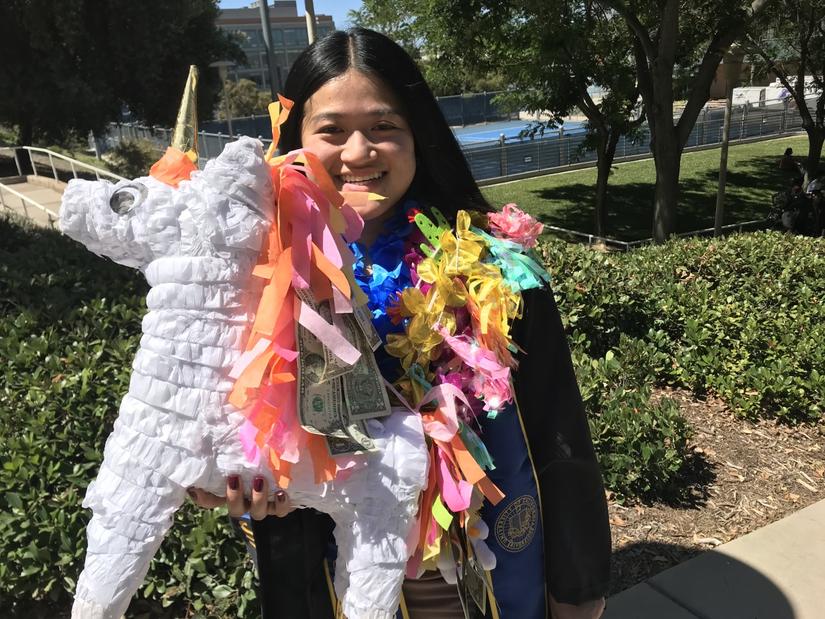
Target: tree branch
[
  {"x": 783, "y": 79},
  {"x": 668, "y": 35},
  {"x": 719, "y": 45},
  {"x": 589, "y": 106},
  {"x": 634, "y": 24}
]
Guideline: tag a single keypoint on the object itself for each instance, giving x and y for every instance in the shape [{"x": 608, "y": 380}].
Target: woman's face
[{"x": 354, "y": 124}]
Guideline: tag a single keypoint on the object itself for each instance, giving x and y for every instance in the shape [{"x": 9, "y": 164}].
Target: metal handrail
[
  {"x": 73, "y": 163},
  {"x": 27, "y": 200}
]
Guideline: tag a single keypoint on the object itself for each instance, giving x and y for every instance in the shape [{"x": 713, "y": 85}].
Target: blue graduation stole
[{"x": 516, "y": 536}]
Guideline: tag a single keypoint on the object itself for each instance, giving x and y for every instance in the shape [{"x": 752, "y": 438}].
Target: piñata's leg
[
  {"x": 115, "y": 567},
  {"x": 373, "y": 552},
  {"x": 141, "y": 484}
]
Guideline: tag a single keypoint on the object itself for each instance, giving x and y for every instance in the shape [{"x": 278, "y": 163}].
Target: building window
[
  {"x": 250, "y": 37},
  {"x": 295, "y": 37},
  {"x": 277, "y": 37}
]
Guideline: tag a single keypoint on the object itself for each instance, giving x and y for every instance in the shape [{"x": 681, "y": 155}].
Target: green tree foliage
[
  {"x": 132, "y": 158},
  {"x": 551, "y": 52},
  {"x": 790, "y": 43},
  {"x": 678, "y": 45},
  {"x": 243, "y": 99},
  {"x": 402, "y": 21},
  {"x": 70, "y": 66},
  {"x": 391, "y": 18}
]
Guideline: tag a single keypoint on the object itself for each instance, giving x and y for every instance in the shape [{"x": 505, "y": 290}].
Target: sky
[{"x": 336, "y": 8}]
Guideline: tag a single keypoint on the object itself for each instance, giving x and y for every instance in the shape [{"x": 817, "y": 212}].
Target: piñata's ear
[{"x": 181, "y": 158}]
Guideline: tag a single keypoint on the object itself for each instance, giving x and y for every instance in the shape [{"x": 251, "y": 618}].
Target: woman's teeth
[{"x": 361, "y": 179}]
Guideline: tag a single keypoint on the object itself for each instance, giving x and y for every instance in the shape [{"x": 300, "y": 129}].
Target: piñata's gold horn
[{"x": 185, "y": 136}]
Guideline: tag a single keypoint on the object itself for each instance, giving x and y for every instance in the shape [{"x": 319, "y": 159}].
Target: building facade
[{"x": 289, "y": 38}]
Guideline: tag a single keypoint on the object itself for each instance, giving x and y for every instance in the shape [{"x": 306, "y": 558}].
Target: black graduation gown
[{"x": 575, "y": 522}]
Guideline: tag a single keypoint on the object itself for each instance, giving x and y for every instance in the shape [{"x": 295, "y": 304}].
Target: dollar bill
[
  {"x": 357, "y": 441},
  {"x": 334, "y": 398},
  {"x": 358, "y": 432},
  {"x": 321, "y": 404},
  {"x": 333, "y": 366},
  {"x": 364, "y": 390},
  {"x": 364, "y": 318}
]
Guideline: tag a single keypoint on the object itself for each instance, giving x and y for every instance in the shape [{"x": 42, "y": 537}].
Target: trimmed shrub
[
  {"x": 741, "y": 318},
  {"x": 641, "y": 442},
  {"x": 132, "y": 158}
]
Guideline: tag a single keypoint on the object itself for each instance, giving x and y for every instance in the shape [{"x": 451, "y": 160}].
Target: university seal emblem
[{"x": 516, "y": 525}]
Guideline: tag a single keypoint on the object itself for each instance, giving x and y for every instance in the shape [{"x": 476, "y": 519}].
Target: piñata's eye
[{"x": 127, "y": 197}]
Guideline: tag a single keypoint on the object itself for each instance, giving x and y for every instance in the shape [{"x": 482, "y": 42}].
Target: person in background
[{"x": 787, "y": 161}]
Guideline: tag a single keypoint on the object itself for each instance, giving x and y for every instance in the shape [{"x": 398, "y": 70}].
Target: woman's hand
[{"x": 258, "y": 507}]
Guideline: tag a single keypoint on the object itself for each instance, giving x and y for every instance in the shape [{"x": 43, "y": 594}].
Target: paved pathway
[
  {"x": 777, "y": 572},
  {"x": 44, "y": 191}
]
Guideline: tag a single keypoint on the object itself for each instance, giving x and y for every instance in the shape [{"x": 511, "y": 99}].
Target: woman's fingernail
[
  {"x": 280, "y": 496},
  {"x": 258, "y": 484},
  {"x": 233, "y": 482}
]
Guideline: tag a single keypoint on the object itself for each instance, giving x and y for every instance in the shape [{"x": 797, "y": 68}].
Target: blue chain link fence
[{"x": 510, "y": 157}]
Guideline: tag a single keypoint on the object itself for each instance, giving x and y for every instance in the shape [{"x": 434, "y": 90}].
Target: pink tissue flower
[{"x": 515, "y": 225}]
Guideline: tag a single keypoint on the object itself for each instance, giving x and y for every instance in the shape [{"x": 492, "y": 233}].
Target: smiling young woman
[{"x": 362, "y": 106}]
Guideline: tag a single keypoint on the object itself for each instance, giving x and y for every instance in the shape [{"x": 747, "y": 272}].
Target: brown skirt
[{"x": 431, "y": 597}]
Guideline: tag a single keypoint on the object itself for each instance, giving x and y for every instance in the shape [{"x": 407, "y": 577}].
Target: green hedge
[{"x": 741, "y": 318}]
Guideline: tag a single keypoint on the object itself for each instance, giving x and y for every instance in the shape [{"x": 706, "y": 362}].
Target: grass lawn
[{"x": 566, "y": 199}]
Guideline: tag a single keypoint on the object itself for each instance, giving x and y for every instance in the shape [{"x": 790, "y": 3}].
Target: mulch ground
[{"x": 744, "y": 475}]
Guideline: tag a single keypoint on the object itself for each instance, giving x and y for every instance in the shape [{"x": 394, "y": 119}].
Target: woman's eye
[
  {"x": 384, "y": 127},
  {"x": 328, "y": 129}
]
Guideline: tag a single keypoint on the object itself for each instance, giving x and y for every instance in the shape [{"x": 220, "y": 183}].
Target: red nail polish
[
  {"x": 258, "y": 484},
  {"x": 233, "y": 482}
]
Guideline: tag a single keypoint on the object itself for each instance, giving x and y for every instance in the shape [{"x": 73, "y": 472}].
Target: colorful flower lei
[{"x": 456, "y": 297}]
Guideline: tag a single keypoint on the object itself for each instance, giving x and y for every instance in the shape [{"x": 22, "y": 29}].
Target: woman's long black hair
[{"x": 442, "y": 176}]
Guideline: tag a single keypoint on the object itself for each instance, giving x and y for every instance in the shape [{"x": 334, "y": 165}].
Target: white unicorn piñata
[{"x": 198, "y": 238}]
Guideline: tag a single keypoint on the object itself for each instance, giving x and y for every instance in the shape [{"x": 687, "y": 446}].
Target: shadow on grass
[
  {"x": 697, "y": 476},
  {"x": 751, "y": 182}
]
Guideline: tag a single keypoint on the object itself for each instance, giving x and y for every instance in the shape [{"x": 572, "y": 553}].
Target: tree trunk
[
  {"x": 606, "y": 152},
  {"x": 667, "y": 159},
  {"x": 816, "y": 137},
  {"x": 25, "y": 134}
]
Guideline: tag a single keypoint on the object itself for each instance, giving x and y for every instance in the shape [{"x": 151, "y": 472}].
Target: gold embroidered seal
[{"x": 516, "y": 525}]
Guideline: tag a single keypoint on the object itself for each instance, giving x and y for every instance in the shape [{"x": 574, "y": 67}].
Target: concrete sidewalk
[
  {"x": 46, "y": 192},
  {"x": 777, "y": 572}
]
